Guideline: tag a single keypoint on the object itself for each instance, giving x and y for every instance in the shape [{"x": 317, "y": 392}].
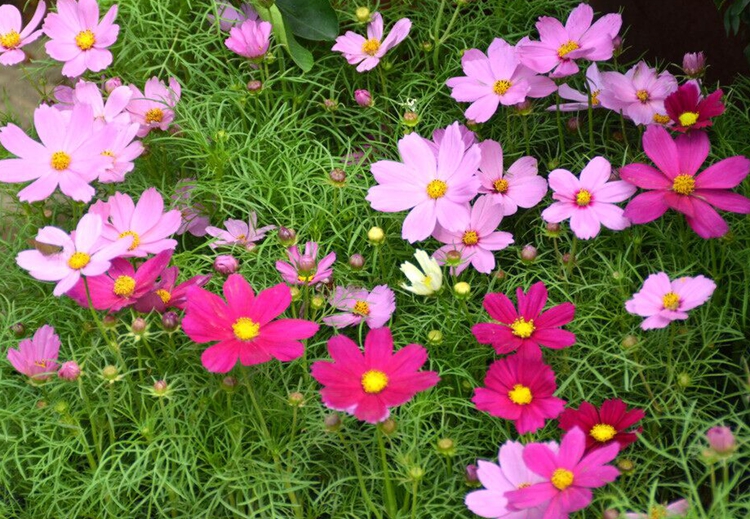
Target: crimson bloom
[
  {"x": 604, "y": 426},
  {"x": 689, "y": 111},
  {"x": 168, "y": 294},
  {"x": 368, "y": 385},
  {"x": 244, "y": 325}
]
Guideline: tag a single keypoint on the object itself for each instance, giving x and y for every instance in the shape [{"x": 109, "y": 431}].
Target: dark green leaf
[{"x": 310, "y": 19}]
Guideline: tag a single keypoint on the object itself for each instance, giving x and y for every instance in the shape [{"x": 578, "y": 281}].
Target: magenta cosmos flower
[
  {"x": 561, "y": 46},
  {"x": 662, "y": 301},
  {"x": 437, "y": 189},
  {"x": 477, "y": 241},
  {"x": 304, "y": 269},
  {"x": 244, "y": 325},
  {"x": 674, "y": 183},
  {"x": 610, "y": 423},
  {"x": 37, "y": 357},
  {"x": 374, "y": 308},
  {"x": 240, "y": 233},
  {"x": 691, "y": 111},
  {"x": 69, "y": 156},
  {"x": 568, "y": 475},
  {"x": 250, "y": 40},
  {"x": 494, "y": 79},
  {"x": 678, "y": 508},
  {"x": 520, "y": 388},
  {"x": 78, "y": 38},
  {"x": 519, "y": 186},
  {"x": 588, "y": 201},
  {"x": 368, "y": 385},
  {"x": 154, "y": 107},
  {"x": 369, "y": 51},
  {"x": 581, "y": 99},
  {"x": 639, "y": 93},
  {"x": 168, "y": 294},
  {"x": 527, "y": 328},
  {"x": 82, "y": 254},
  {"x": 13, "y": 37}
]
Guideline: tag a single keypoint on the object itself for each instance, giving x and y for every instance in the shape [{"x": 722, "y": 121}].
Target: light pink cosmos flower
[
  {"x": 519, "y": 186},
  {"x": 639, "y": 93},
  {"x": 78, "y": 38},
  {"x": 368, "y": 52},
  {"x": 662, "y": 301},
  {"x": 13, "y": 37},
  {"x": 230, "y": 16},
  {"x": 678, "y": 508},
  {"x": 154, "y": 107},
  {"x": 581, "y": 99},
  {"x": 37, "y": 357},
  {"x": 477, "y": 241},
  {"x": 561, "y": 46},
  {"x": 82, "y": 254},
  {"x": 111, "y": 111},
  {"x": 194, "y": 219},
  {"x": 494, "y": 79},
  {"x": 70, "y": 155},
  {"x": 239, "y": 233},
  {"x": 122, "y": 149},
  {"x": 304, "y": 269},
  {"x": 468, "y": 137},
  {"x": 437, "y": 189},
  {"x": 374, "y": 308},
  {"x": 250, "y": 40},
  {"x": 588, "y": 201}
]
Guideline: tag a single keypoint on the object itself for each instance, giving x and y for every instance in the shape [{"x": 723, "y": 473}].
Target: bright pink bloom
[
  {"x": 529, "y": 327},
  {"x": 304, "y": 269},
  {"x": 568, "y": 475},
  {"x": 721, "y": 440},
  {"x": 250, "y": 40},
  {"x": 437, "y": 189},
  {"x": 375, "y": 308},
  {"x": 519, "y": 186},
  {"x": 78, "y": 38},
  {"x": 477, "y": 241},
  {"x": 368, "y": 385},
  {"x": 639, "y": 93},
  {"x": 368, "y": 52},
  {"x": 494, "y": 79},
  {"x": 561, "y": 46},
  {"x": 194, "y": 219},
  {"x": 82, "y": 254},
  {"x": 691, "y": 111},
  {"x": 609, "y": 424},
  {"x": 677, "y": 508},
  {"x": 588, "y": 201},
  {"x": 240, "y": 233},
  {"x": 244, "y": 325},
  {"x": 581, "y": 99},
  {"x": 230, "y": 16},
  {"x": 167, "y": 294},
  {"x": 37, "y": 357},
  {"x": 13, "y": 37},
  {"x": 70, "y": 371},
  {"x": 675, "y": 184},
  {"x": 154, "y": 108},
  {"x": 663, "y": 301}
]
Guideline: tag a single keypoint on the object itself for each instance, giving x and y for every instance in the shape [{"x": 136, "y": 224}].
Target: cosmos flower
[
  {"x": 610, "y": 423},
  {"x": 105, "y": 112},
  {"x": 369, "y": 51},
  {"x": 375, "y": 307},
  {"x": 581, "y": 99},
  {"x": 37, "y": 357},
  {"x": 304, "y": 269},
  {"x": 154, "y": 107},
  {"x": 639, "y": 93},
  {"x": 167, "y": 293},
  {"x": 229, "y": 16},
  {"x": 239, "y": 232},
  {"x": 250, "y": 40},
  {"x": 678, "y": 508},
  {"x": 424, "y": 282},
  {"x": 691, "y": 111},
  {"x": 13, "y": 37}
]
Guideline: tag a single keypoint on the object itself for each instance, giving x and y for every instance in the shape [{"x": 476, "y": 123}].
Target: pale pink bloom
[
  {"x": 250, "y": 40},
  {"x": 468, "y": 137},
  {"x": 374, "y": 308},
  {"x": 304, "y": 269},
  {"x": 194, "y": 219},
  {"x": 581, "y": 99},
  {"x": 437, "y": 189},
  {"x": 519, "y": 186},
  {"x": 123, "y": 149},
  {"x": 154, "y": 107},
  {"x": 639, "y": 93},
  {"x": 37, "y": 357},
  {"x": 369, "y": 51},
  {"x": 239, "y": 233},
  {"x": 229, "y": 16},
  {"x": 494, "y": 79},
  {"x": 13, "y": 37},
  {"x": 111, "y": 111},
  {"x": 588, "y": 201},
  {"x": 678, "y": 508},
  {"x": 82, "y": 254},
  {"x": 78, "y": 38},
  {"x": 662, "y": 301}
]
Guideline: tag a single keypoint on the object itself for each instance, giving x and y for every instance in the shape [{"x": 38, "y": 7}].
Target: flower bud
[
  {"x": 332, "y": 422},
  {"x": 410, "y": 119},
  {"x": 160, "y": 388},
  {"x": 553, "y": 229},
  {"x": 306, "y": 264},
  {"x": 254, "y": 86},
  {"x": 362, "y": 14},
  {"x": 296, "y": 399},
  {"x": 416, "y": 473},
  {"x": 376, "y": 236},
  {"x": 472, "y": 477},
  {"x": 453, "y": 258},
  {"x": 226, "y": 264},
  {"x": 337, "y": 176},
  {"x": 109, "y": 321},
  {"x": 18, "y": 329},
  {"x": 626, "y": 465},
  {"x": 138, "y": 326},
  {"x": 617, "y": 45},
  {"x": 524, "y": 108},
  {"x": 69, "y": 371},
  {"x": 356, "y": 262},
  {"x": 446, "y": 447},
  {"x": 694, "y": 64},
  {"x": 170, "y": 321},
  {"x": 528, "y": 253},
  {"x": 462, "y": 290},
  {"x": 330, "y": 105},
  {"x": 317, "y": 302},
  {"x": 228, "y": 383},
  {"x": 426, "y": 46},
  {"x": 388, "y": 426},
  {"x": 296, "y": 294},
  {"x": 61, "y": 407},
  {"x": 611, "y": 513},
  {"x": 500, "y": 274},
  {"x": 567, "y": 258},
  {"x": 112, "y": 83},
  {"x": 617, "y": 136},
  {"x": 573, "y": 124},
  {"x": 110, "y": 373},
  {"x": 287, "y": 237},
  {"x": 629, "y": 341},
  {"x": 363, "y": 98},
  {"x": 721, "y": 440},
  {"x": 684, "y": 380},
  {"x": 435, "y": 337}
]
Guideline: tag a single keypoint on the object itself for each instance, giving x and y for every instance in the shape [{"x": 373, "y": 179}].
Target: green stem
[
  {"x": 112, "y": 343},
  {"x": 569, "y": 266},
  {"x": 87, "y": 405},
  {"x": 390, "y": 497},
  {"x": 560, "y": 131},
  {"x": 591, "y": 114},
  {"x": 446, "y": 33},
  {"x": 435, "y": 38},
  {"x": 360, "y": 477},
  {"x": 622, "y": 129},
  {"x": 526, "y": 134},
  {"x": 383, "y": 83},
  {"x": 414, "y": 488}
]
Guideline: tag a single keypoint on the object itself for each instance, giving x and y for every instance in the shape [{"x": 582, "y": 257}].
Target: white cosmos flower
[{"x": 424, "y": 282}]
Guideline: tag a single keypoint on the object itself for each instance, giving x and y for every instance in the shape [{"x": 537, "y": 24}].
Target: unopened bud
[
  {"x": 226, "y": 264},
  {"x": 110, "y": 373},
  {"x": 160, "y": 388},
  {"x": 363, "y": 98},
  {"x": 69, "y": 371},
  {"x": 138, "y": 327},
  {"x": 111, "y": 84},
  {"x": 630, "y": 341},
  {"x": 472, "y": 477},
  {"x": 410, "y": 119},
  {"x": 435, "y": 337},
  {"x": 228, "y": 383},
  {"x": 61, "y": 407},
  {"x": 254, "y": 86},
  {"x": 573, "y": 124},
  {"x": 500, "y": 274},
  {"x": 317, "y": 302},
  {"x": 296, "y": 293},
  {"x": 337, "y": 176},
  {"x": 446, "y": 447},
  {"x": 626, "y": 465},
  {"x": 109, "y": 321},
  {"x": 567, "y": 258},
  {"x": 426, "y": 46},
  {"x": 362, "y": 14},
  {"x": 684, "y": 380},
  {"x": 416, "y": 473},
  {"x": 388, "y": 426},
  {"x": 694, "y": 64},
  {"x": 617, "y": 45},
  {"x": 611, "y": 513},
  {"x": 553, "y": 229},
  {"x": 462, "y": 290},
  {"x": 332, "y": 422},
  {"x": 287, "y": 237},
  {"x": 170, "y": 321},
  {"x": 296, "y": 399},
  {"x": 356, "y": 262},
  {"x": 18, "y": 329},
  {"x": 524, "y": 108},
  {"x": 306, "y": 264},
  {"x": 376, "y": 236},
  {"x": 330, "y": 105},
  {"x": 453, "y": 258},
  {"x": 528, "y": 253},
  {"x": 721, "y": 440}
]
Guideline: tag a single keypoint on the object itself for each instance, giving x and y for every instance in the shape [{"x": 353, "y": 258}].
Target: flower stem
[
  {"x": 390, "y": 497},
  {"x": 383, "y": 83},
  {"x": 591, "y": 115},
  {"x": 360, "y": 477},
  {"x": 560, "y": 131},
  {"x": 414, "y": 489}
]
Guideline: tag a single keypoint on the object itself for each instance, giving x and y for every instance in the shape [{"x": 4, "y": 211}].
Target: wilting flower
[
  {"x": 368, "y": 385},
  {"x": 689, "y": 110},
  {"x": 230, "y": 16},
  {"x": 608, "y": 424},
  {"x": 154, "y": 107},
  {"x": 250, "y": 40},
  {"x": 663, "y": 301},
  {"x": 677, "y": 508},
  {"x": 375, "y": 307},
  {"x": 194, "y": 219},
  {"x": 304, "y": 269},
  {"x": 675, "y": 184},
  {"x": 168, "y": 294},
  {"x": 694, "y": 64},
  {"x": 424, "y": 282},
  {"x": 494, "y": 79},
  {"x": 78, "y": 38},
  {"x": 581, "y": 99},
  {"x": 37, "y": 357},
  {"x": 13, "y": 37},
  {"x": 244, "y": 325},
  {"x": 639, "y": 93},
  {"x": 239, "y": 233},
  {"x": 369, "y": 51}
]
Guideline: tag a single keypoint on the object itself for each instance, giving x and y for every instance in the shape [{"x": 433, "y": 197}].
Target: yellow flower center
[
  {"x": 520, "y": 395},
  {"x": 154, "y": 115},
  {"x": 670, "y": 301},
  {"x": 436, "y": 189},
  {"x": 43, "y": 363},
  {"x": 165, "y": 296},
  {"x": 661, "y": 119},
  {"x": 124, "y": 286},
  {"x": 603, "y": 432},
  {"x": 657, "y": 512},
  {"x": 562, "y": 479},
  {"x": 523, "y": 328},
  {"x": 567, "y": 48},
  {"x": 470, "y": 238},
  {"x": 501, "y": 87},
  {"x": 108, "y": 153},
  {"x": 374, "y": 381},
  {"x": 306, "y": 279},
  {"x": 85, "y": 40},
  {"x": 361, "y": 308},
  {"x": 60, "y": 160},
  {"x": 371, "y": 46},
  {"x": 583, "y": 198},
  {"x": 642, "y": 96},
  {"x": 500, "y": 185},
  {"x": 595, "y": 97},
  {"x": 245, "y": 329},
  {"x": 79, "y": 260},
  {"x": 683, "y": 184},
  {"x": 688, "y": 118},
  {"x": 10, "y": 40},
  {"x": 136, "y": 239},
  {"x": 427, "y": 281}
]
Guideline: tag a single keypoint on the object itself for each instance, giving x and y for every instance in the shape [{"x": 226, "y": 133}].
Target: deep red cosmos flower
[
  {"x": 603, "y": 426},
  {"x": 689, "y": 111}
]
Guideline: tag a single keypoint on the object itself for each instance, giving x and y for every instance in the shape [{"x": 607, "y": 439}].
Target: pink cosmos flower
[
  {"x": 37, "y": 357},
  {"x": 468, "y": 137},
  {"x": 239, "y": 232},
  {"x": 588, "y": 201},
  {"x": 244, "y": 325},
  {"x": 368, "y": 385},
  {"x": 229, "y": 16},
  {"x": 69, "y": 156},
  {"x": 194, "y": 219},
  {"x": 674, "y": 183},
  {"x": 528, "y": 328},
  {"x": 520, "y": 388},
  {"x": 477, "y": 241},
  {"x": 122, "y": 149},
  {"x": 581, "y": 99},
  {"x": 437, "y": 189},
  {"x": 610, "y": 423},
  {"x": 519, "y": 186},
  {"x": 250, "y": 40},
  {"x": 561, "y": 46},
  {"x": 639, "y": 93},
  {"x": 494, "y": 79},
  {"x": 663, "y": 301},
  {"x": 81, "y": 254},
  {"x": 689, "y": 110},
  {"x": 111, "y": 111},
  {"x": 167, "y": 294},
  {"x": 678, "y": 508},
  {"x": 304, "y": 269},
  {"x": 13, "y": 37},
  {"x": 368, "y": 52},
  {"x": 154, "y": 108},
  {"x": 568, "y": 475},
  {"x": 375, "y": 307},
  {"x": 78, "y": 38}
]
